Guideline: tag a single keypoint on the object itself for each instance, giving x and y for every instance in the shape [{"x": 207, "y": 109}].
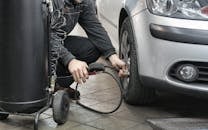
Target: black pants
[{"x": 83, "y": 50}]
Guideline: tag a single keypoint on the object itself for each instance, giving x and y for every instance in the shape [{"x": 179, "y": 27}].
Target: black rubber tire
[
  {"x": 3, "y": 116},
  {"x": 60, "y": 107},
  {"x": 135, "y": 93}
]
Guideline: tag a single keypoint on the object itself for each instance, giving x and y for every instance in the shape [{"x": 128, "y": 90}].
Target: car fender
[{"x": 134, "y": 7}]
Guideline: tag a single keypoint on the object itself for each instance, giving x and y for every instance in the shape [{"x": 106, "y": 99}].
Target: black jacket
[{"x": 84, "y": 14}]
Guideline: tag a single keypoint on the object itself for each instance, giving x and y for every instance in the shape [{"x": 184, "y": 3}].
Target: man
[{"x": 77, "y": 52}]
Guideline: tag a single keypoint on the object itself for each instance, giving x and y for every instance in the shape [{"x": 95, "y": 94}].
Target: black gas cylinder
[{"x": 23, "y": 55}]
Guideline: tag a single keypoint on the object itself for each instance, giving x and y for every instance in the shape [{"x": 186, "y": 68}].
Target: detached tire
[
  {"x": 135, "y": 93},
  {"x": 60, "y": 107},
  {"x": 3, "y": 116}
]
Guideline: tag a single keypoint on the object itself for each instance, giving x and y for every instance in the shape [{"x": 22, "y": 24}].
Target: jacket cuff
[
  {"x": 67, "y": 59},
  {"x": 109, "y": 53}
]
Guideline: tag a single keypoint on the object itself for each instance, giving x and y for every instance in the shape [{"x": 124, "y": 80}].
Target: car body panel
[
  {"x": 109, "y": 10},
  {"x": 109, "y": 21},
  {"x": 156, "y": 56},
  {"x": 134, "y": 6}
]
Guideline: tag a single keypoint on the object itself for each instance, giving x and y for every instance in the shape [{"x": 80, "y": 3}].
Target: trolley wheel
[
  {"x": 60, "y": 107},
  {"x": 3, "y": 116}
]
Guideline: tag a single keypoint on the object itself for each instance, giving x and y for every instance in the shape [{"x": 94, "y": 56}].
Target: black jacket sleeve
[
  {"x": 59, "y": 50},
  {"x": 57, "y": 47},
  {"x": 96, "y": 33}
]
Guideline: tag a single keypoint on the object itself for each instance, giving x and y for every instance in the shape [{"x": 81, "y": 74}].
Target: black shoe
[
  {"x": 73, "y": 94},
  {"x": 57, "y": 87}
]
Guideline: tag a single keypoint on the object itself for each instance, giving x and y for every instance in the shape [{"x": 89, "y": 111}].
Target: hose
[{"x": 97, "y": 66}]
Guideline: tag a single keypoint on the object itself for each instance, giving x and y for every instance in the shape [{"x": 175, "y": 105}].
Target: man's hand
[
  {"x": 78, "y": 69},
  {"x": 119, "y": 64}
]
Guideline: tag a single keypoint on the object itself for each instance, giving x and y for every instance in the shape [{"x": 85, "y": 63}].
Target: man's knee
[{"x": 82, "y": 48}]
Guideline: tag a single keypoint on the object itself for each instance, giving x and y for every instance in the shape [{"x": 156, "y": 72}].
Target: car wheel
[{"x": 135, "y": 93}]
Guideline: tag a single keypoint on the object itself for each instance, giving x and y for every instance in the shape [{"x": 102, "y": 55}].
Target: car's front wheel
[{"x": 135, "y": 92}]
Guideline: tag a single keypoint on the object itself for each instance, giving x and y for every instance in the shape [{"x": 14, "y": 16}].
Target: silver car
[{"x": 164, "y": 42}]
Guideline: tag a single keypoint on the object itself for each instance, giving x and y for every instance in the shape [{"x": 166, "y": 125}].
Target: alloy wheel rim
[{"x": 125, "y": 55}]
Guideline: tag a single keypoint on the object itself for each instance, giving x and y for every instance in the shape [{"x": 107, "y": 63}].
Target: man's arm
[
  {"x": 77, "y": 68},
  {"x": 95, "y": 32},
  {"x": 59, "y": 50},
  {"x": 99, "y": 37}
]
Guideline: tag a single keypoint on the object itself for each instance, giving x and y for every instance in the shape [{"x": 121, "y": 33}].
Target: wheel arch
[
  {"x": 125, "y": 12},
  {"x": 136, "y": 93},
  {"x": 122, "y": 16}
]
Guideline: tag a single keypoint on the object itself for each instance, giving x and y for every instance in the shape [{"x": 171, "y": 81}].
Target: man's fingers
[
  {"x": 124, "y": 67},
  {"x": 78, "y": 69},
  {"x": 82, "y": 76},
  {"x": 86, "y": 66},
  {"x": 77, "y": 77},
  {"x": 85, "y": 73},
  {"x": 120, "y": 73},
  {"x": 116, "y": 66},
  {"x": 74, "y": 77}
]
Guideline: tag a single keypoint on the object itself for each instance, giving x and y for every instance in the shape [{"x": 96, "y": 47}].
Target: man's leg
[{"x": 83, "y": 50}]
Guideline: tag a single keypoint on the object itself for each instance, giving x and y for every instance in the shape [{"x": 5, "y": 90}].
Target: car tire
[{"x": 135, "y": 93}]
